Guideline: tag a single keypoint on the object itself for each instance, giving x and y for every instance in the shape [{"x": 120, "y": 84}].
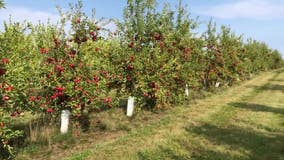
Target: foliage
[
  {"x": 2, "y": 4},
  {"x": 153, "y": 56},
  {"x": 7, "y": 134}
]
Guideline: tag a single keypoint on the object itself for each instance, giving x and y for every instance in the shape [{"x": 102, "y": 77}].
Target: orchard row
[{"x": 153, "y": 56}]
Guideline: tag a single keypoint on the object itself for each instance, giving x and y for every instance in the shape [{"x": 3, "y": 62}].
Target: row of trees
[{"x": 153, "y": 56}]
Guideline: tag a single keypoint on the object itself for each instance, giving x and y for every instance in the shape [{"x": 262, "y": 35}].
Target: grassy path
[{"x": 244, "y": 122}]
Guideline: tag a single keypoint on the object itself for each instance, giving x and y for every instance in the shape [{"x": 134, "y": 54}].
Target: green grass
[
  {"x": 80, "y": 156},
  {"x": 245, "y": 122}
]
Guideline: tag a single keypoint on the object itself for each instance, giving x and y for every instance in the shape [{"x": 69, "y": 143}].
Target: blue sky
[{"x": 262, "y": 20}]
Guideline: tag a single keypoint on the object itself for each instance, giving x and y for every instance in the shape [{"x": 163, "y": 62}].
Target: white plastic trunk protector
[
  {"x": 186, "y": 90},
  {"x": 130, "y": 106},
  {"x": 65, "y": 115},
  {"x": 217, "y": 84}
]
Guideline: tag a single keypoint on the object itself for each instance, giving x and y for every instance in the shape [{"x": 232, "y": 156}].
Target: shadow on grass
[
  {"x": 260, "y": 146},
  {"x": 272, "y": 87},
  {"x": 277, "y": 80},
  {"x": 258, "y": 107},
  {"x": 161, "y": 153},
  {"x": 267, "y": 87},
  {"x": 189, "y": 152},
  {"x": 280, "y": 70},
  {"x": 226, "y": 143}
]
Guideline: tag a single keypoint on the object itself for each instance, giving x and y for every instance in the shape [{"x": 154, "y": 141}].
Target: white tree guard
[
  {"x": 186, "y": 90},
  {"x": 130, "y": 106},
  {"x": 217, "y": 84},
  {"x": 65, "y": 115}
]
